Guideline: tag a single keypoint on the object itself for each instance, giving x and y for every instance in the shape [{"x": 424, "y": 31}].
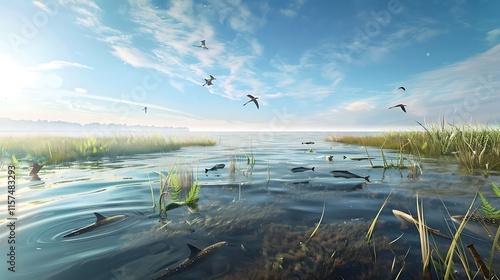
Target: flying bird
[
  {"x": 208, "y": 82},
  {"x": 254, "y": 99},
  {"x": 403, "y": 88},
  {"x": 203, "y": 46},
  {"x": 399, "y": 105},
  {"x": 145, "y": 109}
]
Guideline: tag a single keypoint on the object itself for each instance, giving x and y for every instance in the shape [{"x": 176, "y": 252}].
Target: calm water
[{"x": 266, "y": 213}]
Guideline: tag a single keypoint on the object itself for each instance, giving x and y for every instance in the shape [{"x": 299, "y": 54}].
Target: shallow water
[{"x": 265, "y": 212}]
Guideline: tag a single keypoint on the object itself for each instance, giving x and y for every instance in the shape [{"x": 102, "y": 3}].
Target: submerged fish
[
  {"x": 405, "y": 219},
  {"x": 307, "y": 143},
  {"x": 100, "y": 221},
  {"x": 361, "y": 158},
  {"x": 478, "y": 224},
  {"x": 477, "y": 219},
  {"x": 217, "y": 166},
  {"x": 196, "y": 257},
  {"x": 347, "y": 175},
  {"x": 301, "y": 183},
  {"x": 301, "y": 169}
]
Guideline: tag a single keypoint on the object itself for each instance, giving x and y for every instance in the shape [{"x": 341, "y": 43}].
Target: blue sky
[{"x": 314, "y": 65}]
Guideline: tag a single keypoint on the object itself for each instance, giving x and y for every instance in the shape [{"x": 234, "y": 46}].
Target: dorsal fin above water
[
  {"x": 194, "y": 250},
  {"x": 99, "y": 217}
]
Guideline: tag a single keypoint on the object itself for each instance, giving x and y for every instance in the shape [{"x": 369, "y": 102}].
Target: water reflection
[{"x": 254, "y": 203}]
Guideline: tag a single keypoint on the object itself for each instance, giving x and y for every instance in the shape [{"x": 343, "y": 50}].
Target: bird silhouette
[
  {"x": 208, "y": 82},
  {"x": 145, "y": 109},
  {"x": 402, "y": 106},
  {"x": 403, "y": 88},
  {"x": 252, "y": 99},
  {"x": 203, "y": 45}
]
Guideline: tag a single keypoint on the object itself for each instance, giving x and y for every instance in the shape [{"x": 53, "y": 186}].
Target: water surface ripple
[{"x": 262, "y": 210}]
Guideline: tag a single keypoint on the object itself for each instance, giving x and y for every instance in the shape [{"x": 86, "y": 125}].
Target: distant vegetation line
[
  {"x": 59, "y": 149},
  {"x": 476, "y": 148}
]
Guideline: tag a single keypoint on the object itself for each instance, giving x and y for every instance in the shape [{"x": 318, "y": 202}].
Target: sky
[{"x": 314, "y": 65}]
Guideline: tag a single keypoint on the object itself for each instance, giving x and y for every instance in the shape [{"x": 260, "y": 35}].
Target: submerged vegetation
[
  {"x": 179, "y": 187},
  {"x": 477, "y": 149},
  {"x": 58, "y": 149}
]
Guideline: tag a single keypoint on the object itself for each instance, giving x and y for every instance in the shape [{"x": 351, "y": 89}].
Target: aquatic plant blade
[
  {"x": 14, "y": 160},
  {"x": 172, "y": 205},
  {"x": 487, "y": 208},
  {"x": 496, "y": 189},
  {"x": 424, "y": 146}
]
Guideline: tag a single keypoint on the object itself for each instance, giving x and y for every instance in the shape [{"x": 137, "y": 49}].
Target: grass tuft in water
[{"x": 179, "y": 187}]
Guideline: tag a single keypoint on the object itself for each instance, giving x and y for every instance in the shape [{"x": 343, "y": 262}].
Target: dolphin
[
  {"x": 196, "y": 257},
  {"x": 100, "y": 221},
  {"x": 347, "y": 175},
  {"x": 405, "y": 219},
  {"x": 301, "y": 169}
]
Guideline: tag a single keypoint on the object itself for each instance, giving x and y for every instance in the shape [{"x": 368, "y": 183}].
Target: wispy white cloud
[
  {"x": 463, "y": 89},
  {"x": 140, "y": 104},
  {"x": 359, "y": 106},
  {"x": 80, "y": 90},
  {"x": 239, "y": 15},
  {"x": 364, "y": 48},
  {"x": 58, "y": 64},
  {"x": 293, "y": 7},
  {"x": 492, "y": 35}
]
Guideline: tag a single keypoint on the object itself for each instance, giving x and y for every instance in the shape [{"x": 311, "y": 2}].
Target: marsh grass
[
  {"x": 433, "y": 256},
  {"x": 58, "y": 149},
  {"x": 476, "y": 148},
  {"x": 424, "y": 241}
]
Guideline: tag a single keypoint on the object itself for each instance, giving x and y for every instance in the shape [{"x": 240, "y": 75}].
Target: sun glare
[{"x": 13, "y": 78}]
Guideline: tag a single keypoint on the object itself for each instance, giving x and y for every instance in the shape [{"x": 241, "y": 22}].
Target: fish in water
[
  {"x": 307, "y": 143},
  {"x": 479, "y": 225},
  {"x": 347, "y": 175},
  {"x": 301, "y": 183},
  {"x": 301, "y": 169},
  {"x": 217, "y": 166},
  {"x": 100, "y": 221},
  {"x": 406, "y": 218},
  {"x": 196, "y": 257},
  {"x": 361, "y": 158},
  {"x": 477, "y": 219}
]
